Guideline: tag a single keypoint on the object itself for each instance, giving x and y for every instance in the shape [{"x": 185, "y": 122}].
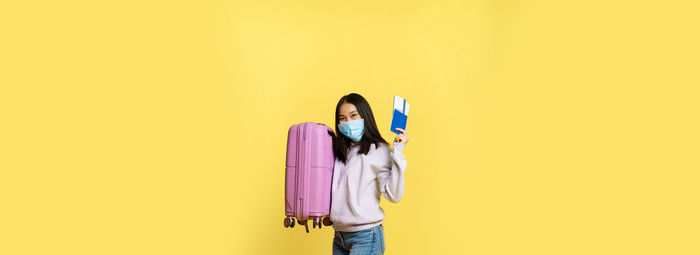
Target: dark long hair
[{"x": 369, "y": 137}]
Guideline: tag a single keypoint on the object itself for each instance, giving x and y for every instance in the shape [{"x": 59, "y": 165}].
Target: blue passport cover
[{"x": 398, "y": 121}]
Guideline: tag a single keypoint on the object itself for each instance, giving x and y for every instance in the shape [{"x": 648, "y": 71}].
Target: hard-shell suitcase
[{"x": 308, "y": 174}]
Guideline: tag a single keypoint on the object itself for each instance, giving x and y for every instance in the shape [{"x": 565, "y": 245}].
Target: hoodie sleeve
[{"x": 391, "y": 173}]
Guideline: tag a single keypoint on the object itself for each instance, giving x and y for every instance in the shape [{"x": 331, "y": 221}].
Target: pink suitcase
[{"x": 308, "y": 174}]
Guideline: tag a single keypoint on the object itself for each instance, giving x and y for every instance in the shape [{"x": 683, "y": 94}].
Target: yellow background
[{"x": 536, "y": 127}]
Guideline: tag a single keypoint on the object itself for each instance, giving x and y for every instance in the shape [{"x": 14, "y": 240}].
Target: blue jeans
[{"x": 365, "y": 242}]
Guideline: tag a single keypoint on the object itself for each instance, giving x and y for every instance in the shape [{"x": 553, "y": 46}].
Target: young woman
[{"x": 365, "y": 169}]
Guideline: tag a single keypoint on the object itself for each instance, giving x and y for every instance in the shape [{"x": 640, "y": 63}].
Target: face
[{"x": 347, "y": 112}]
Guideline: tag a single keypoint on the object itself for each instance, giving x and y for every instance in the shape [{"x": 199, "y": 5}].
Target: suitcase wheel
[
  {"x": 327, "y": 221},
  {"x": 287, "y": 222},
  {"x": 292, "y": 224},
  {"x": 306, "y": 224}
]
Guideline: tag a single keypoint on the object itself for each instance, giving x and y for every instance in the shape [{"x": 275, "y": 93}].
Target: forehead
[{"x": 346, "y": 108}]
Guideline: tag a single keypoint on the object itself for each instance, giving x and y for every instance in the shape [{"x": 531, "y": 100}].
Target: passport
[{"x": 400, "y": 115}]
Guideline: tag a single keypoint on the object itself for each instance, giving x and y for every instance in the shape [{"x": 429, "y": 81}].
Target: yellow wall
[{"x": 537, "y": 127}]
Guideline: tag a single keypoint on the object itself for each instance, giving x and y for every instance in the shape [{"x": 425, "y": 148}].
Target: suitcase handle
[{"x": 330, "y": 131}]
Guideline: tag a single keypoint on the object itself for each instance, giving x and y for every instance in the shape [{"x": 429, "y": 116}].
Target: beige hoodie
[{"x": 357, "y": 186}]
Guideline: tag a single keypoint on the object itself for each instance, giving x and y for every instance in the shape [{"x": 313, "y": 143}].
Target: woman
[{"x": 365, "y": 167}]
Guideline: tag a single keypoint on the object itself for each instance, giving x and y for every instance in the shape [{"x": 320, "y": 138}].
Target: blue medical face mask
[{"x": 353, "y": 129}]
